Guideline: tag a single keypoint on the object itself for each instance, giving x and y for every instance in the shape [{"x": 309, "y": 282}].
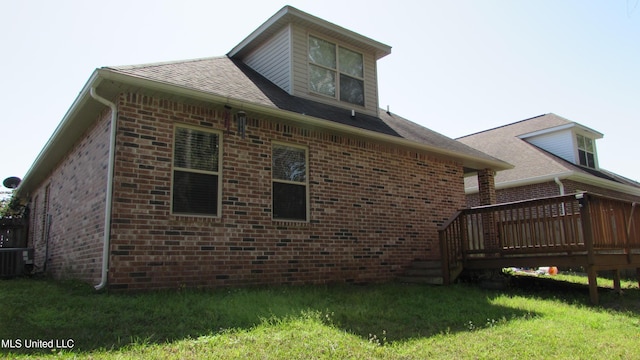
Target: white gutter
[
  {"x": 523, "y": 182},
  {"x": 561, "y": 188},
  {"x": 132, "y": 80},
  {"x": 107, "y": 212},
  {"x": 569, "y": 175},
  {"x": 35, "y": 175}
]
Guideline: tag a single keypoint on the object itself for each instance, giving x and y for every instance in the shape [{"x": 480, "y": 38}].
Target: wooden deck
[{"x": 580, "y": 230}]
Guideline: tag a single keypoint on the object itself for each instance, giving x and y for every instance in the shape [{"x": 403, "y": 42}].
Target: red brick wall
[
  {"x": 486, "y": 187},
  {"x": 374, "y": 208},
  {"x": 75, "y": 202},
  {"x": 547, "y": 189},
  {"x": 573, "y": 186},
  {"x": 542, "y": 190}
]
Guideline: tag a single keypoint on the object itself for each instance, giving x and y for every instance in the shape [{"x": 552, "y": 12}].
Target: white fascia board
[
  {"x": 523, "y": 182},
  {"x": 579, "y": 127},
  {"x": 138, "y": 82},
  {"x": 608, "y": 184},
  {"x": 547, "y": 130},
  {"x": 73, "y": 126},
  {"x": 59, "y": 141},
  {"x": 570, "y": 175},
  {"x": 273, "y": 20},
  {"x": 290, "y": 14}
]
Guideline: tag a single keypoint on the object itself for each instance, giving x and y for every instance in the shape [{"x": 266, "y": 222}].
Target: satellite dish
[{"x": 11, "y": 182}]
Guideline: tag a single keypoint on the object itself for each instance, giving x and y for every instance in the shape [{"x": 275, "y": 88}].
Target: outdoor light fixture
[
  {"x": 242, "y": 122},
  {"x": 227, "y": 118}
]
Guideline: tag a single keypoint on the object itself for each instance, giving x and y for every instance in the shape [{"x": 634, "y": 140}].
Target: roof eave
[
  {"x": 66, "y": 133},
  {"x": 569, "y": 175},
  {"x": 289, "y": 14},
  {"x": 140, "y": 82},
  {"x": 612, "y": 185},
  {"x": 595, "y": 134},
  {"x": 73, "y": 125}
]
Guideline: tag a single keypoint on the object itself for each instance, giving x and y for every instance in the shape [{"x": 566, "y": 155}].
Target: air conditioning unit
[{"x": 15, "y": 261}]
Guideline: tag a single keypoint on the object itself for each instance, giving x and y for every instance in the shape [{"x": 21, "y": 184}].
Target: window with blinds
[
  {"x": 290, "y": 182},
  {"x": 196, "y": 172}
]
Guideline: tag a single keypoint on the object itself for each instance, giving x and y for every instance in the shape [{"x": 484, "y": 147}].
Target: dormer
[
  {"x": 314, "y": 59},
  {"x": 573, "y": 142}
]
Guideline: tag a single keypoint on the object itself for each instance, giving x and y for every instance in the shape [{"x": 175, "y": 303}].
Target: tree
[{"x": 10, "y": 206}]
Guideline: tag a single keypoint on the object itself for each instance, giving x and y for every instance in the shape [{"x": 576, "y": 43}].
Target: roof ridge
[
  {"x": 162, "y": 63},
  {"x": 503, "y": 126}
]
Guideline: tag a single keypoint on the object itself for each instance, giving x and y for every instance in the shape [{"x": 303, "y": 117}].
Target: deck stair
[{"x": 423, "y": 272}]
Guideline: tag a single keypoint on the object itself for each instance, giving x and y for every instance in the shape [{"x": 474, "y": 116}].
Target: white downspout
[
  {"x": 561, "y": 188},
  {"x": 560, "y": 185},
  {"x": 109, "y": 195}
]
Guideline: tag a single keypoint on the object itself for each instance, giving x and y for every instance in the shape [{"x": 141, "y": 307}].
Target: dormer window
[
  {"x": 586, "y": 151},
  {"x": 336, "y": 71}
]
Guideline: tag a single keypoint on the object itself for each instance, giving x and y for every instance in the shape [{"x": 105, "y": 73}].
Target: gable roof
[
  {"x": 288, "y": 15},
  {"x": 533, "y": 164},
  {"x": 234, "y": 80},
  {"x": 226, "y": 81}
]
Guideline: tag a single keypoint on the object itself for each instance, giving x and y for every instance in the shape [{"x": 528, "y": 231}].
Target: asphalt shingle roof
[
  {"x": 529, "y": 161},
  {"x": 228, "y": 77}
]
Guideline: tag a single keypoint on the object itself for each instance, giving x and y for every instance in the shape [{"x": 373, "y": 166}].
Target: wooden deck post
[
  {"x": 616, "y": 281},
  {"x": 593, "y": 284},
  {"x": 587, "y": 230},
  {"x": 446, "y": 271}
]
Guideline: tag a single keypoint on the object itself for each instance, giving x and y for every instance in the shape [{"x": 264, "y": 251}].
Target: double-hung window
[
  {"x": 290, "y": 182},
  {"x": 196, "y": 172},
  {"x": 336, "y": 71},
  {"x": 586, "y": 152}
]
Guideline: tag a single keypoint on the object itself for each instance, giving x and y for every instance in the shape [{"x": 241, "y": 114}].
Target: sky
[{"x": 456, "y": 67}]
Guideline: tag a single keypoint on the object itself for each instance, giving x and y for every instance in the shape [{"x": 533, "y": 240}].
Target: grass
[{"x": 387, "y": 321}]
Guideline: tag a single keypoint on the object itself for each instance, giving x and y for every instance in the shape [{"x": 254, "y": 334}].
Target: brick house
[
  {"x": 551, "y": 156},
  {"x": 270, "y": 165}
]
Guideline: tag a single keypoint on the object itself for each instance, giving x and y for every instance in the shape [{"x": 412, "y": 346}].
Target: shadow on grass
[
  {"x": 546, "y": 287},
  {"x": 45, "y": 310}
]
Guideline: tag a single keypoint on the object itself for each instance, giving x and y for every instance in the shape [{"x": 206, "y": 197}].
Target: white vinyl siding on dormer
[
  {"x": 559, "y": 143},
  {"x": 273, "y": 59},
  {"x": 564, "y": 144},
  {"x": 279, "y": 51}
]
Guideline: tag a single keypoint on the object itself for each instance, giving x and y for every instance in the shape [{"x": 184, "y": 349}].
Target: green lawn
[{"x": 389, "y": 321}]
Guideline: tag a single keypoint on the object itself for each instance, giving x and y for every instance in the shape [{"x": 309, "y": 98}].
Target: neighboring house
[
  {"x": 551, "y": 156},
  {"x": 271, "y": 165}
]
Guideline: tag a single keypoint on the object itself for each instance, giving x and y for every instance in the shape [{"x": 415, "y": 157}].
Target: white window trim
[
  {"x": 577, "y": 150},
  {"x": 306, "y": 182},
  {"x": 219, "y": 172},
  {"x": 337, "y": 71}
]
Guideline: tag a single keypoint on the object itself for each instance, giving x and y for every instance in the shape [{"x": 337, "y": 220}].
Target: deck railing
[
  {"x": 562, "y": 225},
  {"x": 15, "y": 258},
  {"x": 13, "y": 232}
]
